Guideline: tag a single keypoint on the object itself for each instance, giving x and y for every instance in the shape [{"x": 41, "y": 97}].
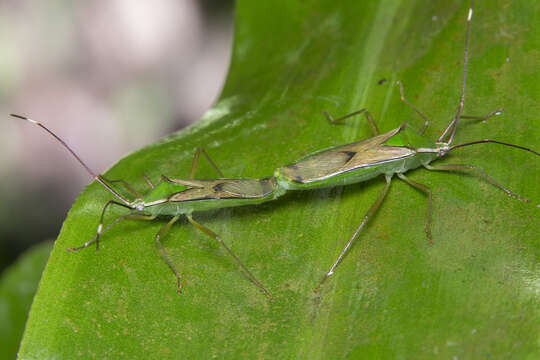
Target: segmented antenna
[
  {"x": 98, "y": 178},
  {"x": 483, "y": 141},
  {"x": 453, "y": 123}
]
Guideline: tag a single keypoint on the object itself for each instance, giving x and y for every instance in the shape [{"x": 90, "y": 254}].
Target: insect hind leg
[
  {"x": 214, "y": 236},
  {"x": 368, "y": 216}
]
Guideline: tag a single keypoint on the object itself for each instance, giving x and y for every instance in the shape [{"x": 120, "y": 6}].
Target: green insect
[
  {"x": 392, "y": 153},
  {"x": 177, "y": 197}
]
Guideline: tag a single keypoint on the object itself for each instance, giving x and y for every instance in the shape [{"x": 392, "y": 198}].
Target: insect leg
[
  {"x": 425, "y": 189},
  {"x": 115, "y": 221},
  {"x": 148, "y": 181},
  {"x": 402, "y": 94},
  {"x": 195, "y": 162},
  {"x": 124, "y": 184},
  {"x": 493, "y": 113},
  {"x": 100, "y": 226},
  {"x": 464, "y": 167},
  {"x": 213, "y": 235},
  {"x": 368, "y": 215},
  {"x": 163, "y": 252},
  {"x": 485, "y": 117},
  {"x": 366, "y": 113}
]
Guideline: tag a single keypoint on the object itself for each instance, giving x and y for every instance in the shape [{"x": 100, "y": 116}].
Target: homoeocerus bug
[
  {"x": 393, "y": 152},
  {"x": 177, "y": 197}
]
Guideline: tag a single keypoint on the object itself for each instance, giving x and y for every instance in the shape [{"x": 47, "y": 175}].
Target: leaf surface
[{"x": 472, "y": 294}]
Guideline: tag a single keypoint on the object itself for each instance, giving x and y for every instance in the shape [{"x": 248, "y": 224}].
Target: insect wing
[
  {"x": 246, "y": 188},
  {"x": 194, "y": 194},
  {"x": 346, "y": 158},
  {"x": 317, "y": 166},
  {"x": 223, "y": 189},
  {"x": 375, "y": 156}
]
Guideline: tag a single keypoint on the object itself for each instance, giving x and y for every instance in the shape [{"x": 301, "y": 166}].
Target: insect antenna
[
  {"x": 483, "y": 141},
  {"x": 98, "y": 178},
  {"x": 453, "y": 123}
]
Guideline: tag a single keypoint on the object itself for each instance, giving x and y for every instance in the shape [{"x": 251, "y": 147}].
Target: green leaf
[
  {"x": 472, "y": 294},
  {"x": 18, "y": 284}
]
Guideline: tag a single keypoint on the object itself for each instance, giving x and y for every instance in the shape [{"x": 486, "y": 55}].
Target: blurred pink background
[{"x": 108, "y": 76}]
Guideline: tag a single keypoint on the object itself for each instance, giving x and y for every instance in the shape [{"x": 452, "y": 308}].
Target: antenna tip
[
  {"x": 24, "y": 118},
  {"x": 18, "y": 116}
]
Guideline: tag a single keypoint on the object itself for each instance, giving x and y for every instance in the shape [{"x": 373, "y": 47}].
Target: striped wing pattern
[
  {"x": 346, "y": 158},
  {"x": 222, "y": 189}
]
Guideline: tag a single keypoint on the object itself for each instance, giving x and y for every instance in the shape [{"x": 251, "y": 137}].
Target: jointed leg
[
  {"x": 366, "y": 113},
  {"x": 425, "y": 189},
  {"x": 451, "y": 125},
  {"x": 485, "y": 117},
  {"x": 115, "y": 221},
  {"x": 213, "y": 235},
  {"x": 402, "y": 94},
  {"x": 125, "y": 184},
  {"x": 148, "y": 181},
  {"x": 164, "y": 254},
  {"x": 464, "y": 167},
  {"x": 195, "y": 162},
  {"x": 368, "y": 215},
  {"x": 100, "y": 226}
]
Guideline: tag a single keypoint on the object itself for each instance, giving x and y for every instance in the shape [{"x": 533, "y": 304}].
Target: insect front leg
[
  {"x": 164, "y": 253},
  {"x": 115, "y": 221},
  {"x": 214, "y": 236},
  {"x": 495, "y": 112},
  {"x": 195, "y": 162},
  {"x": 366, "y": 113},
  {"x": 368, "y": 215},
  {"x": 465, "y": 167},
  {"x": 100, "y": 226},
  {"x": 426, "y": 190}
]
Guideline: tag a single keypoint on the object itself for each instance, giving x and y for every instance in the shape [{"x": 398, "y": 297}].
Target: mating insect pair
[{"x": 392, "y": 153}]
